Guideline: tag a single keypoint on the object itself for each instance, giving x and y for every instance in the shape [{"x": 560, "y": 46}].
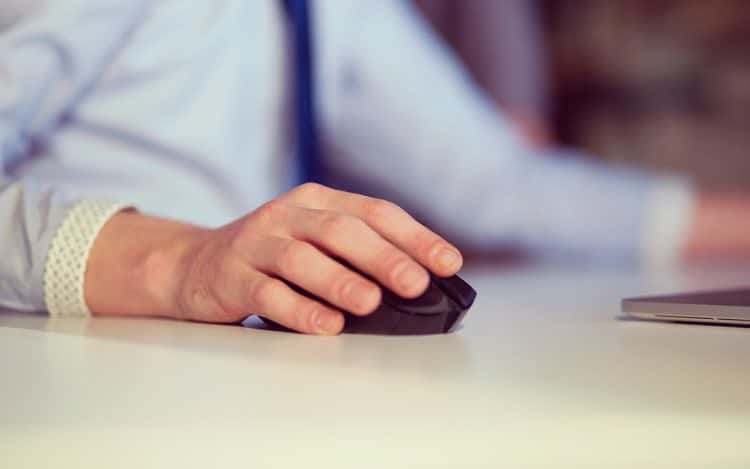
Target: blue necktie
[{"x": 309, "y": 168}]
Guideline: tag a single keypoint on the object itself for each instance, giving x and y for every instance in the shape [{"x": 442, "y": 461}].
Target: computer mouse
[{"x": 439, "y": 310}]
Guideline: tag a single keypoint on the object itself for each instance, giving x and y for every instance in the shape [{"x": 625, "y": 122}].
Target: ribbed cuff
[{"x": 65, "y": 269}]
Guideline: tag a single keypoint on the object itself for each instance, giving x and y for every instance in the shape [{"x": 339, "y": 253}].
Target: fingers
[
  {"x": 307, "y": 267},
  {"x": 273, "y": 299},
  {"x": 237, "y": 268},
  {"x": 350, "y": 238},
  {"x": 390, "y": 221}
]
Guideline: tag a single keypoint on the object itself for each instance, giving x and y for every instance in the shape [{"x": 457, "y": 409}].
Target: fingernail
[
  {"x": 327, "y": 323},
  {"x": 364, "y": 297},
  {"x": 409, "y": 277},
  {"x": 448, "y": 259}
]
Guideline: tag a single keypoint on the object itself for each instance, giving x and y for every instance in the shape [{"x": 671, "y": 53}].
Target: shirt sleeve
[
  {"x": 668, "y": 216},
  {"x": 50, "y": 239},
  {"x": 48, "y": 61},
  {"x": 410, "y": 121}
]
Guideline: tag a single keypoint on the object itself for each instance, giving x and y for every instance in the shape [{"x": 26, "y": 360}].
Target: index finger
[{"x": 390, "y": 221}]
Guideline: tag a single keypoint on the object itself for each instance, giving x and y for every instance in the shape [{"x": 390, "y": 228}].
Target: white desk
[{"x": 541, "y": 375}]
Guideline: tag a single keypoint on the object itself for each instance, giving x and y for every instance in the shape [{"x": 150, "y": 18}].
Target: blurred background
[{"x": 661, "y": 83}]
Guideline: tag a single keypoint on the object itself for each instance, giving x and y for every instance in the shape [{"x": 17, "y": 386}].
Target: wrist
[
  {"x": 159, "y": 272},
  {"x": 136, "y": 264}
]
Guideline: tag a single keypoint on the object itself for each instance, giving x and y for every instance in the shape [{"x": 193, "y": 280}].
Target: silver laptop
[{"x": 719, "y": 307}]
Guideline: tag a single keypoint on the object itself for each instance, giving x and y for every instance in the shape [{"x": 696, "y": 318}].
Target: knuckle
[
  {"x": 269, "y": 212},
  {"x": 394, "y": 264},
  {"x": 430, "y": 245},
  {"x": 310, "y": 190},
  {"x": 378, "y": 211},
  {"x": 334, "y": 224},
  {"x": 341, "y": 288},
  {"x": 292, "y": 255},
  {"x": 265, "y": 292},
  {"x": 306, "y": 315}
]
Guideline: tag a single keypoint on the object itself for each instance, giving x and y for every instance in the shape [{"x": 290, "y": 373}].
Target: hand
[
  {"x": 534, "y": 130},
  {"x": 223, "y": 275},
  {"x": 721, "y": 228}
]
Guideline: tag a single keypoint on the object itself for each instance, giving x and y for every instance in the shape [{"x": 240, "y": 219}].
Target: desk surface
[{"x": 543, "y": 374}]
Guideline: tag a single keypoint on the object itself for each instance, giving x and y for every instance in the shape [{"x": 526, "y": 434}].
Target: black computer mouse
[{"x": 438, "y": 310}]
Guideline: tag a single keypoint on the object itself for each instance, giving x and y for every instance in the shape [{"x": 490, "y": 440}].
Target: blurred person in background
[
  {"x": 501, "y": 45},
  {"x": 182, "y": 110}
]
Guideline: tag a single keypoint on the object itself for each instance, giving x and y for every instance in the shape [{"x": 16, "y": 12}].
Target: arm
[
  {"x": 96, "y": 258},
  {"x": 28, "y": 222},
  {"x": 514, "y": 69},
  {"x": 501, "y": 44},
  {"x": 411, "y": 121},
  {"x": 50, "y": 236},
  {"x": 49, "y": 61},
  {"x": 42, "y": 75}
]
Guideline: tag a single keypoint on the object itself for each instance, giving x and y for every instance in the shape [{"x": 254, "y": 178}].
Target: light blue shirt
[{"x": 182, "y": 108}]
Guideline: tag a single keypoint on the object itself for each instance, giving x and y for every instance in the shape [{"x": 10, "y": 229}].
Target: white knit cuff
[
  {"x": 65, "y": 268},
  {"x": 668, "y": 217}
]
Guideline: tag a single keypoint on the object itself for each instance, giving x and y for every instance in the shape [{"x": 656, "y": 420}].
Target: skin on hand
[
  {"x": 534, "y": 130},
  {"x": 141, "y": 265},
  {"x": 720, "y": 229}
]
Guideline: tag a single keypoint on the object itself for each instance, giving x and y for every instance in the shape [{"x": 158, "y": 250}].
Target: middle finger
[
  {"x": 307, "y": 267},
  {"x": 355, "y": 241}
]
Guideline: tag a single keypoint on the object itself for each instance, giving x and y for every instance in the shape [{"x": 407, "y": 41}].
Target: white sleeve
[
  {"x": 46, "y": 239},
  {"x": 412, "y": 122},
  {"x": 48, "y": 61}
]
